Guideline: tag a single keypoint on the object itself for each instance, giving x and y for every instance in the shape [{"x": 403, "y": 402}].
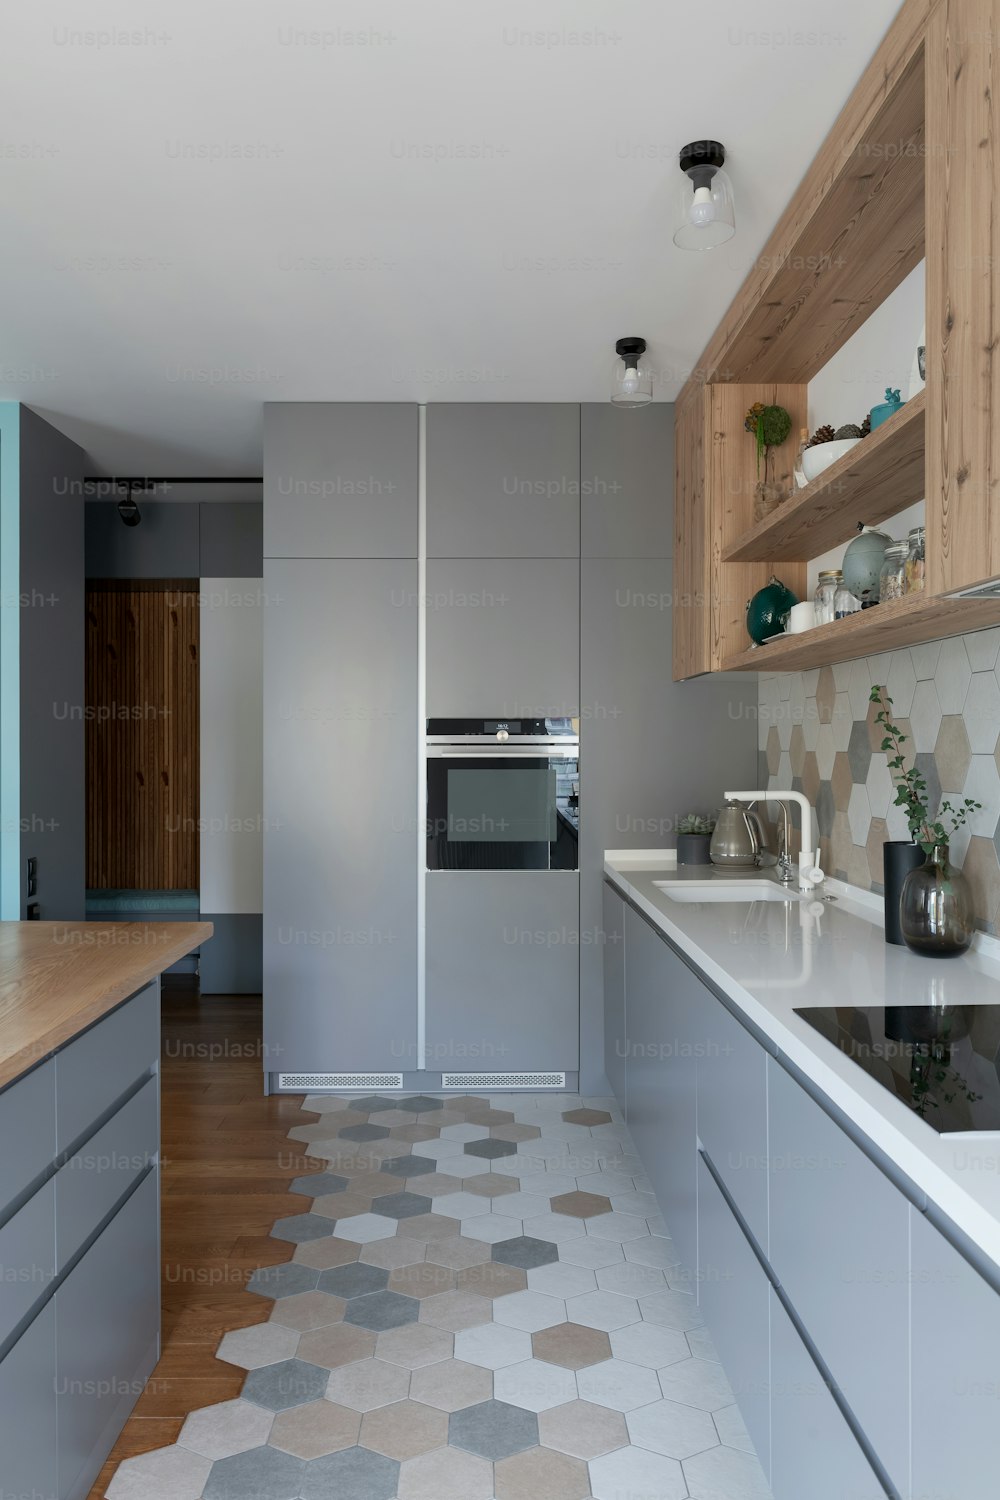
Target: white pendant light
[
  {"x": 706, "y": 214},
  {"x": 631, "y": 377}
]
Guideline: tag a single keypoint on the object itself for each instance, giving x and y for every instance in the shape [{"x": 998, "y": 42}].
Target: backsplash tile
[{"x": 817, "y": 734}]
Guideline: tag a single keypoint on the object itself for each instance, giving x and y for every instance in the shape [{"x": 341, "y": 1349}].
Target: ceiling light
[
  {"x": 631, "y": 377},
  {"x": 128, "y": 510},
  {"x": 706, "y": 215}
]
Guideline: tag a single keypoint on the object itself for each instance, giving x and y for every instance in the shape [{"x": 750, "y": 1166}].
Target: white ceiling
[{"x": 151, "y": 298}]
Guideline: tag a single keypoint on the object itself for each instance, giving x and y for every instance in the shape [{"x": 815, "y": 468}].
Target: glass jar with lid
[
  {"x": 844, "y": 602},
  {"x": 915, "y": 562},
  {"x": 826, "y": 590},
  {"x": 892, "y": 579}
]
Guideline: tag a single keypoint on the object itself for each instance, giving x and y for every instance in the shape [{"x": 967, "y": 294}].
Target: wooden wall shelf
[
  {"x": 888, "y": 627},
  {"x": 877, "y": 479}
]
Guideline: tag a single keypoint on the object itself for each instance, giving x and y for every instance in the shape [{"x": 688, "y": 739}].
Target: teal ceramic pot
[
  {"x": 888, "y": 407},
  {"x": 766, "y": 610}
]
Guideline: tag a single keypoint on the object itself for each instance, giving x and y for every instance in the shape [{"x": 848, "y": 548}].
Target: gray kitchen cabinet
[
  {"x": 341, "y": 479},
  {"x": 28, "y": 1412},
  {"x": 502, "y": 981},
  {"x": 98, "y": 1067},
  {"x": 732, "y": 1112},
  {"x": 27, "y": 1257},
  {"x": 27, "y": 1130},
  {"x": 626, "y": 481},
  {"x": 734, "y": 1295},
  {"x": 662, "y": 1001},
  {"x": 953, "y": 1351},
  {"x": 107, "y": 1337},
  {"x": 503, "y": 637},
  {"x": 101, "y": 1172},
  {"x": 814, "y": 1453},
  {"x": 503, "y": 480},
  {"x": 340, "y": 815},
  {"x": 615, "y": 1045},
  {"x": 840, "y": 1249}
]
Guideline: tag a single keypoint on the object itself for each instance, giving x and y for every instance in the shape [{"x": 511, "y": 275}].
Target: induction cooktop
[{"x": 942, "y": 1062}]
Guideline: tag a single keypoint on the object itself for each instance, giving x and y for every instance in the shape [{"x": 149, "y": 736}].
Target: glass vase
[{"x": 935, "y": 911}]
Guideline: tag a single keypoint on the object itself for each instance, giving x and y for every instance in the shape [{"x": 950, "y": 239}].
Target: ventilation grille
[
  {"x": 503, "y": 1080},
  {"x": 298, "y": 1081}
]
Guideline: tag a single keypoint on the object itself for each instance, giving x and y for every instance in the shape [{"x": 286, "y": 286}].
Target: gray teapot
[{"x": 738, "y": 838}]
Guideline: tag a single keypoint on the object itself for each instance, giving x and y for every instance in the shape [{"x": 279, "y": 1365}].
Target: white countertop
[{"x": 770, "y": 958}]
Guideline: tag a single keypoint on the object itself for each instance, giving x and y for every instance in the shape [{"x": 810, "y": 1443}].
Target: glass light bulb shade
[
  {"x": 706, "y": 216},
  {"x": 631, "y": 385}
]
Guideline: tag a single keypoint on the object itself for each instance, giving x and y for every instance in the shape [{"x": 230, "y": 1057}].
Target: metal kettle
[{"x": 738, "y": 838}]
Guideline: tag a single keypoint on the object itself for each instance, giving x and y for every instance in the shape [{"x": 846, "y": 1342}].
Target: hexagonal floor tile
[
  {"x": 455, "y": 1310},
  {"x": 526, "y": 1252},
  {"x": 173, "y": 1471},
  {"x": 636, "y": 1471},
  {"x": 542, "y": 1472},
  {"x": 493, "y": 1429},
  {"x": 650, "y": 1345},
  {"x": 263, "y": 1344},
  {"x": 492, "y": 1279},
  {"x": 409, "y": 1166},
  {"x": 259, "y": 1474},
  {"x": 315, "y": 1429},
  {"x": 586, "y": 1117},
  {"x": 424, "y": 1279},
  {"x": 562, "y": 1280},
  {"x": 353, "y": 1471},
  {"x": 293, "y": 1382},
  {"x": 725, "y": 1471},
  {"x": 617, "y": 1385},
  {"x": 607, "y": 1310},
  {"x": 381, "y": 1310},
  {"x": 338, "y": 1344},
  {"x": 404, "y": 1430},
  {"x": 322, "y": 1254},
  {"x": 414, "y": 1346},
  {"x": 615, "y": 1226},
  {"x": 531, "y": 1311},
  {"x": 284, "y": 1280},
  {"x": 370, "y": 1104},
  {"x": 490, "y": 1149},
  {"x": 421, "y": 1104},
  {"x": 697, "y": 1382},
  {"x": 581, "y": 1205},
  {"x": 395, "y": 1251},
  {"x": 307, "y": 1310},
  {"x": 401, "y": 1205},
  {"x": 225, "y": 1429},
  {"x": 451, "y": 1384},
  {"x": 672, "y": 1309},
  {"x": 534, "y": 1385},
  {"x": 491, "y": 1185},
  {"x": 493, "y": 1346},
  {"x": 368, "y": 1384},
  {"x": 362, "y": 1228},
  {"x": 571, "y": 1345},
  {"x": 459, "y": 1252},
  {"x": 446, "y": 1474},
  {"x": 582, "y": 1429},
  {"x": 363, "y": 1133},
  {"x": 429, "y": 1228},
  {"x": 354, "y": 1280},
  {"x": 672, "y": 1429},
  {"x": 318, "y": 1184}
]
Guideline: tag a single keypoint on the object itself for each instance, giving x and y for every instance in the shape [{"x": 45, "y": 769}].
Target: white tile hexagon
[
  {"x": 226, "y": 1428},
  {"x": 982, "y": 784},
  {"x": 174, "y": 1472},
  {"x": 534, "y": 1385},
  {"x": 926, "y": 713},
  {"x": 492, "y": 1345},
  {"x": 562, "y": 1280},
  {"x": 531, "y": 1311},
  {"x": 618, "y": 1385},
  {"x": 983, "y": 648},
  {"x": 953, "y": 676},
  {"x": 649, "y": 1345},
  {"x": 491, "y": 1228},
  {"x": 603, "y": 1310},
  {"x": 726, "y": 1474},
  {"x": 982, "y": 713},
  {"x": 842, "y": 722},
  {"x": 902, "y": 683},
  {"x": 363, "y": 1228},
  {"x": 672, "y": 1429},
  {"x": 262, "y": 1344},
  {"x": 879, "y": 786}
]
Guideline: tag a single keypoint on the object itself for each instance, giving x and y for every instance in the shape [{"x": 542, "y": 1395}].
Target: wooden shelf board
[
  {"x": 879, "y": 477},
  {"x": 888, "y": 627}
]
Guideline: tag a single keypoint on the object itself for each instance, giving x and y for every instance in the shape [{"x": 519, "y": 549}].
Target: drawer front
[
  {"x": 28, "y": 1412},
  {"x": 90, "y": 1184},
  {"x": 732, "y": 1112},
  {"x": 96, "y": 1069},
  {"x": 27, "y": 1130},
  {"x": 27, "y": 1257},
  {"x": 814, "y": 1453},
  {"x": 107, "y": 1335},
  {"x": 840, "y": 1250}
]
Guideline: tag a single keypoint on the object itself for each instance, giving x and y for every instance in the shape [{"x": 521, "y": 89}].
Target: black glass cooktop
[{"x": 942, "y": 1062}]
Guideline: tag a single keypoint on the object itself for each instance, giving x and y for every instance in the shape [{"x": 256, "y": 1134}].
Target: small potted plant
[
  {"x": 769, "y": 427},
  {"x": 694, "y": 837},
  {"x": 928, "y": 903}
]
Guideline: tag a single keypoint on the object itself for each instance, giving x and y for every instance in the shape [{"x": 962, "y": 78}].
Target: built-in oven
[{"x": 503, "y": 794}]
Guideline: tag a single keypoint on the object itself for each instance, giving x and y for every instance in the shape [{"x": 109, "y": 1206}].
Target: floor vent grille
[
  {"x": 314, "y": 1081},
  {"x": 503, "y": 1080}
]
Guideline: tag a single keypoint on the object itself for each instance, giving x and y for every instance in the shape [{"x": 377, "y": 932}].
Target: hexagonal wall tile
[
  {"x": 952, "y": 751},
  {"x": 859, "y": 751},
  {"x": 859, "y": 814},
  {"x": 953, "y": 676}
]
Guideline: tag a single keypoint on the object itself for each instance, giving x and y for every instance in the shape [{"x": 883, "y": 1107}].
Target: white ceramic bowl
[{"x": 815, "y": 460}]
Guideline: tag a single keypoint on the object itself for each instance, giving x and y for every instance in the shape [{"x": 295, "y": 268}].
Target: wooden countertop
[{"x": 57, "y": 978}]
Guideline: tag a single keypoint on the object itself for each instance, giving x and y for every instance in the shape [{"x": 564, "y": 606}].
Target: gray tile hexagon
[
  {"x": 363, "y": 1133},
  {"x": 301, "y": 1227},
  {"x": 525, "y": 1252},
  {"x": 318, "y": 1185},
  {"x": 408, "y": 1166},
  {"x": 490, "y": 1149},
  {"x": 493, "y": 1429},
  {"x": 353, "y": 1280},
  {"x": 291, "y": 1382},
  {"x": 401, "y": 1205},
  {"x": 380, "y": 1311},
  {"x": 352, "y": 1474},
  {"x": 286, "y": 1280},
  {"x": 258, "y": 1474}
]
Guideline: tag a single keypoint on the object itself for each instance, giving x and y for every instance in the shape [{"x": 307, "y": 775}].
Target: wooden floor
[{"x": 226, "y": 1165}]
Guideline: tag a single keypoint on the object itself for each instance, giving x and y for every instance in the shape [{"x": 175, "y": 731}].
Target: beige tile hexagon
[
  {"x": 339, "y": 1344},
  {"x": 983, "y": 874},
  {"x": 797, "y": 749},
  {"x": 582, "y": 1429},
  {"x": 952, "y": 751},
  {"x": 541, "y": 1471},
  {"x": 324, "y": 1254},
  {"x": 877, "y": 836},
  {"x": 773, "y": 750},
  {"x": 368, "y": 1384},
  {"x": 404, "y": 1430},
  {"x": 810, "y": 776},
  {"x": 317, "y": 1428},
  {"x": 841, "y": 781},
  {"x": 443, "y": 1474},
  {"x": 841, "y": 842},
  {"x": 308, "y": 1310},
  {"x": 451, "y": 1385},
  {"x": 415, "y": 1345},
  {"x": 456, "y": 1310}
]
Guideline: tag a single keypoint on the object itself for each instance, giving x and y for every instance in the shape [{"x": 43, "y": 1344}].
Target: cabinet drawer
[
  {"x": 27, "y": 1130},
  {"x": 732, "y": 1112},
  {"x": 27, "y": 1257},
  {"x": 96, "y": 1069},
  {"x": 814, "y": 1453},
  {"x": 734, "y": 1294},
  {"x": 28, "y": 1412},
  {"x": 107, "y": 1337},
  {"x": 90, "y": 1184},
  {"x": 840, "y": 1250}
]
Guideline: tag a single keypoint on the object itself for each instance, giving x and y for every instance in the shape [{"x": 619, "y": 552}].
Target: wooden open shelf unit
[{"x": 911, "y": 166}]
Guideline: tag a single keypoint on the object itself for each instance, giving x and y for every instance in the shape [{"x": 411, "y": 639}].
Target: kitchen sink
[{"x": 696, "y": 891}]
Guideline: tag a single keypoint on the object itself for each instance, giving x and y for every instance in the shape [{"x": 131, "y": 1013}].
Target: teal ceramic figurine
[
  {"x": 889, "y": 406},
  {"x": 766, "y": 610}
]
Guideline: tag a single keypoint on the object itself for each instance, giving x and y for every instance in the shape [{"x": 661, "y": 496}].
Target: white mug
[{"x": 801, "y": 617}]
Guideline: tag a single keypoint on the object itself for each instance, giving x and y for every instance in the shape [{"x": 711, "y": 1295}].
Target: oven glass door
[{"x": 502, "y": 812}]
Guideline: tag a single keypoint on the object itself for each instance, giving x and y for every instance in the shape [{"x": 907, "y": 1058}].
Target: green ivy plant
[
  {"x": 696, "y": 823},
  {"x": 769, "y": 427},
  {"x": 911, "y": 787}
]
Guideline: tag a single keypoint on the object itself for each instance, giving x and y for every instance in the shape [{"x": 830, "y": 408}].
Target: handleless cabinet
[
  {"x": 503, "y": 480},
  {"x": 340, "y": 815},
  {"x": 503, "y": 637},
  {"x": 28, "y": 1421},
  {"x": 732, "y": 1112},
  {"x": 626, "y": 481},
  {"x": 340, "y": 479},
  {"x": 615, "y": 1044}
]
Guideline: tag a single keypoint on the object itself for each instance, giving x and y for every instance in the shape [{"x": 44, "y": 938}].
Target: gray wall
[{"x": 52, "y": 668}]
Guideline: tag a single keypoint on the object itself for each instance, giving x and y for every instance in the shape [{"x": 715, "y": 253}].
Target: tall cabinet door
[{"x": 340, "y": 806}]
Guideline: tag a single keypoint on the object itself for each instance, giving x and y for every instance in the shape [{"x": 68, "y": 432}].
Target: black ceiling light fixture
[
  {"x": 631, "y": 377},
  {"x": 127, "y": 507},
  {"x": 706, "y": 214}
]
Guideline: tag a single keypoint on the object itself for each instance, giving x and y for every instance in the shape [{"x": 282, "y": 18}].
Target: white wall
[{"x": 231, "y": 755}]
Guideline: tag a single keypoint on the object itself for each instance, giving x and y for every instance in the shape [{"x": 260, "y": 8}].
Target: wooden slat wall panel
[{"x": 142, "y": 740}]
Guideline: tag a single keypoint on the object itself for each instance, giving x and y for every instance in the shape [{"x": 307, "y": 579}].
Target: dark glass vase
[
  {"x": 899, "y": 857},
  {"x": 935, "y": 913},
  {"x": 693, "y": 848}
]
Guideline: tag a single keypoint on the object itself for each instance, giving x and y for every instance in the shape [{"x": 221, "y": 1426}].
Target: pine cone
[
  {"x": 866, "y": 425},
  {"x": 822, "y": 434},
  {"x": 849, "y": 430}
]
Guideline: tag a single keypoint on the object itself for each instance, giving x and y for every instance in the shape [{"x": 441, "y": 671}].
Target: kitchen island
[{"x": 79, "y": 1190}]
